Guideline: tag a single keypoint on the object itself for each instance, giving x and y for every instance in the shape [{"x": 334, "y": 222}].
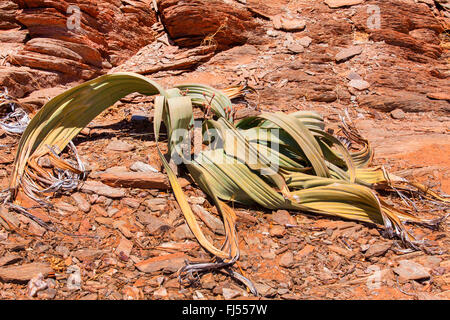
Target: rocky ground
[{"x": 122, "y": 235}]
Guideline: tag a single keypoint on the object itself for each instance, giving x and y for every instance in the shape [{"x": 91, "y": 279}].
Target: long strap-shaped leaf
[
  {"x": 63, "y": 117},
  {"x": 161, "y": 107}
]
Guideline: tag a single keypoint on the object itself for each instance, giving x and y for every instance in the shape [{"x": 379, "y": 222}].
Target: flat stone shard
[
  {"x": 287, "y": 24},
  {"x": 102, "y": 189},
  {"x": 411, "y": 270},
  {"x": 348, "y": 53},
  {"x": 170, "y": 262},
  {"x": 24, "y": 273},
  {"x": 342, "y": 3},
  {"x": 122, "y": 146},
  {"x": 359, "y": 84}
]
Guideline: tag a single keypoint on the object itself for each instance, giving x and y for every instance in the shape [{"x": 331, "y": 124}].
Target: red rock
[
  {"x": 82, "y": 203},
  {"x": 169, "y": 262},
  {"x": 12, "y": 36},
  {"x": 23, "y": 80},
  {"x": 399, "y": 39},
  {"x": 183, "y": 232},
  {"x": 111, "y": 33},
  {"x": 160, "y": 293},
  {"x": 124, "y": 248},
  {"x": 143, "y": 180},
  {"x": 287, "y": 260},
  {"x": 283, "y": 217},
  {"x": 124, "y": 227},
  {"x": 153, "y": 224},
  {"x": 8, "y": 11},
  {"x": 24, "y": 273},
  {"x": 88, "y": 254},
  {"x": 398, "y": 20},
  {"x": 277, "y": 231},
  {"x": 131, "y": 202},
  {"x": 132, "y": 293},
  {"x": 102, "y": 189},
  {"x": 304, "y": 252},
  {"x": 410, "y": 270},
  {"x": 342, "y": 3},
  {"x": 378, "y": 249},
  {"x": 398, "y": 114},
  {"x": 408, "y": 101},
  {"x": 64, "y": 49},
  {"x": 10, "y": 258},
  {"x": 341, "y": 251},
  {"x": 189, "y": 22},
  {"x": 439, "y": 95},
  {"x": 121, "y": 146},
  {"x": 52, "y": 63},
  {"x": 283, "y": 23},
  {"x": 214, "y": 223},
  {"x": 348, "y": 53}
]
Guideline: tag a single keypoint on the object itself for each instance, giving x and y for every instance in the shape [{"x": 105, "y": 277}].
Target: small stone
[
  {"x": 348, "y": 53},
  {"x": 117, "y": 145},
  {"x": 140, "y": 166},
  {"x": 183, "y": 232},
  {"x": 359, "y": 84},
  {"x": 265, "y": 290},
  {"x": 132, "y": 203},
  {"x": 102, "y": 189},
  {"x": 123, "y": 227},
  {"x": 207, "y": 281},
  {"x": 65, "y": 207},
  {"x": 10, "y": 258},
  {"x": 63, "y": 251},
  {"x": 156, "y": 204},
  {"x": 124, "y": 248},
  {"x": 277, "y": 231},
  {"x": 378, "y": 249},
  {"x": 36, "y": 284},
  {"x": 142, "y": 180},
  {"x": 287, "y": 260},
  {"x": 398, "y": 114},
  {"x": 304, "y": 252},
  {"x": 90, "y": 296},
  {"x": 35, "y": 229},
  {"x": 305, "y": 41},
  {"x": 410, "y": 270},
  {"x": 132, "y": 293},
  {"x": 268, "y": 255},
  {"x": 156, "y": 225},
  {"x": 352, "y": 75},
  {"x": 170, "y": 262},
  {"x": 213, "y": 223},
  {"x": 81, "y": 202},
  {"x": 295, "y": 47},
  {"x": 161, "y": 293},
  {"x": 341, "y": 251},
  {"x": 197, "y": 200},
  {"x": 88, "y": 255},
  {"x": 74, "y": 279},
  {"x": 342, "y": 3},
  {"x": 282, "y": 217},
  {"x": 48, "y": 294},
  {"x": 286, "y": 24},
  {"x": 198, "y": 295},
  {"x": 230, "y": 293}
]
